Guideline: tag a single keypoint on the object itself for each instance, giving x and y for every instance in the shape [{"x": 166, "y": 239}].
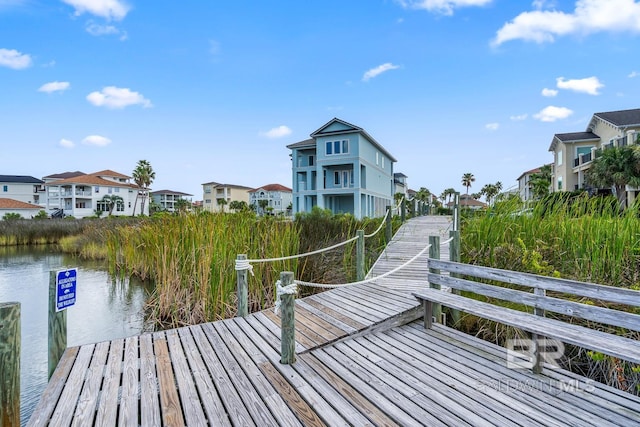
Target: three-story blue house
[{"x": 342, "y": 168}]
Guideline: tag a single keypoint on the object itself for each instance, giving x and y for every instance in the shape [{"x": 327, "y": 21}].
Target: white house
[
  {"x": 167, "y": 199},
  {"x": 26, "y": 189},
  {"x": 278, "y": 198},
  {"x": 81, "y": 196},
  {"x": 12, "y": 206}
]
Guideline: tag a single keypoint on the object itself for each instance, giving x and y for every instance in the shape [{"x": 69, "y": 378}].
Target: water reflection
[{"x": 106, "y": 308}]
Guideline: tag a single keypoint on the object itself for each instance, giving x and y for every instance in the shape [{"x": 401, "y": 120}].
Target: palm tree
[
  {"x": 491, "y": 190},
  {"x": 467, "y": 180},
  {"x": 143, "y": 176},
  {"x": 540, "y": 182},
  {"x": 222, "y": 203},
  {"x": 616, "y": 168},
  {"x": 112, "y": 201}
]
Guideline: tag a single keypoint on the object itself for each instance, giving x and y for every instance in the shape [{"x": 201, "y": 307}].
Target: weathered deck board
[{"x": 358, "y": 363}]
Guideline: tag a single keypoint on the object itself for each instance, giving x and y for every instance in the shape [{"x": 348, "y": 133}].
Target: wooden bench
[{"x": 562, "y": 301}]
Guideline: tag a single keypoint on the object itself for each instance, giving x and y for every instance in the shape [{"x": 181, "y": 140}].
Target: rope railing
[
  {"x": 400, "y": 267},
  {"x": 245, "y": 264}
]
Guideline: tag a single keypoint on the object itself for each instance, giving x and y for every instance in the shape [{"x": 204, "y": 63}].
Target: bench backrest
[{"x": 540, "y": 285}]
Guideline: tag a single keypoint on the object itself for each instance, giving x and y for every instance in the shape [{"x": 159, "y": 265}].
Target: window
[
  {"x": 559, "y": 183},
  {"x": 97, "y": 189},
  {"x": 117, "y": 189},
  {"x": 377, "y": 158},
  {"x": 5, "y": 188},
  {"x": 336, "y": 178},
  {"x": 337, "y": 147},
  {"x": 311, "y": 159},
  {"x": 382, "y": 162},
  {"x": 559, "y": 159}
]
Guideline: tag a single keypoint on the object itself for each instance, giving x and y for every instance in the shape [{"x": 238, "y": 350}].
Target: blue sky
[{"x": 214, "y": 91}]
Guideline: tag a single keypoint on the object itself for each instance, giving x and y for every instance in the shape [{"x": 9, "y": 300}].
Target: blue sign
[{"x": 66, "y": 288}]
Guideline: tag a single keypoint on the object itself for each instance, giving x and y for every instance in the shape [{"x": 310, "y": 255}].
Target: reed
[
  {"x": 191, "y": 259},
  {"x": 575, "y": 237}
]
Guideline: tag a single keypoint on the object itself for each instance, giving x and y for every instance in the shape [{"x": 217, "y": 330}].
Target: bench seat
[{"x": 613, "y": 345}]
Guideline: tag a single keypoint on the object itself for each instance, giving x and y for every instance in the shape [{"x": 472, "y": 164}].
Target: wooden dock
[{"x": 362, "y": 359}]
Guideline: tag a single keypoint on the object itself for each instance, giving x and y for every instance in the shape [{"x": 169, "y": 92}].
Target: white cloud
[
  {"x": 13, "y": 59},
  {"x": 633, "y": 74},
  {"x": 549, "y": 92},
  {"x": 374, "y": 72},
  {"x": 108, "y": 9},
  {"x": 589, "y": 16},
  {"x": 66, "y": 143},
  {"x": 96, "y": 140},
  {"x": 104, "y": 30},
  {"x": 519, "y": 117},
  {"x": 277, "y": 132},
  {"x": 492, "y": 126},
  {"x": 116, "y": 97},
  {"x": 589, "y": 85},
  {"x": 551, "y": 114},
  {"x": 54, "y": 87},
  {"x": 444, "y": 7}
]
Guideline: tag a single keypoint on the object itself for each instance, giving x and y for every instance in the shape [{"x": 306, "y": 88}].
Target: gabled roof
[
  {"x": 217, "y": 184},
  {"x": 16, "y": 204},
  {"x": 307, "y": 143},
  {"x": 93, "y": 179},
  {"x": 175, "y": 193},
  {"x": 568, "y": 138},
  {"x": 64, "y": 175},
  {"x": 20, "y": 179},
  {"x": 110, "y": 173},
  {"x": 532, "y": 171},
  {"x": 622, "y": 118},
  {"x": 272, "y": 187},
  {"x": 350, "y": 128}
]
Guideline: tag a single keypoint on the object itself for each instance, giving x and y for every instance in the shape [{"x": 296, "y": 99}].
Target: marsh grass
[
  {"x": 581, "y": 238},
  {"x": 191, "y": 259}
]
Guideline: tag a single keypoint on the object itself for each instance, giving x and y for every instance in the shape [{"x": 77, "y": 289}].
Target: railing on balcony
[{"x": 582, "y": 159}]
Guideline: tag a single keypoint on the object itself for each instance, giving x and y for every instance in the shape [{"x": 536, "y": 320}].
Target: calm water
[{"x": 105, "y": 309}]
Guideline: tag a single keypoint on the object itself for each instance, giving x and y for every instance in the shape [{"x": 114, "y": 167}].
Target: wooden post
[
  {"x": 537, "y": 356},
  {"x": 243, "y": 290},
  {"x": 287, "y": 322},
  {"x": 360, "y": 255},
  {"x": 403, "y": 210},
  {"x": 454, "y": 255},
  {"x": 10, "y": 364},
  {"x": 57, "y": 327},
  {"x": 388, "y": 229},
  {"x": 434, "y": 252},
  {"x": 456, "y": 211}
]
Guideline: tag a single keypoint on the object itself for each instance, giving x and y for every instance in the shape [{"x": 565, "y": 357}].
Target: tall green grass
[
  {"x": 191, "y": 259},
  {"x": 579, "y": 237},
  {"x": 585, "y": 239}
]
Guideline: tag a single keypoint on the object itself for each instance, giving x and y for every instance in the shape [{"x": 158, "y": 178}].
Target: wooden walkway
[{"x": 361, "y": 360}]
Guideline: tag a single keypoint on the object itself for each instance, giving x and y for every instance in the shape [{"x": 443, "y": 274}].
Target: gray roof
[
  {"x": 576, "y": 136},
  {"x": 311, "y": 142},
  {"x": 622, "y": 117},
  {"x": 66, "y": 175},
  {"x": 303, "y": 144},
  {"x": 176, "y": 193},
  {"x": 20, "y": 179}
]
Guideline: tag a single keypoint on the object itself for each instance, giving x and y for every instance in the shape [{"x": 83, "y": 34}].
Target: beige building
[
  {"x": 217, "y": 197},
  {"x": 574, "y": 152}
]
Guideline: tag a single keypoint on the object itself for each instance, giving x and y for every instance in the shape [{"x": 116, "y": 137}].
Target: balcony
[{"x": 582, "y": 159}]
